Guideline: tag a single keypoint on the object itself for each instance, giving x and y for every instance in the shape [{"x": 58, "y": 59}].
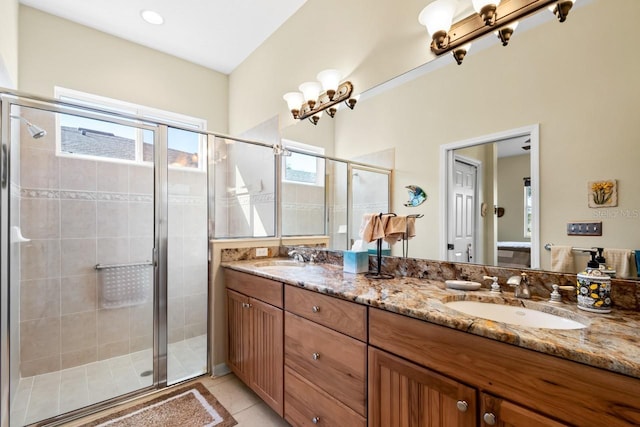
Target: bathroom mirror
[{"x": 587, "y": 133}]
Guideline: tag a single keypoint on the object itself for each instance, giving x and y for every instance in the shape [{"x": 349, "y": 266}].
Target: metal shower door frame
[{"x": 160, "y": 259}]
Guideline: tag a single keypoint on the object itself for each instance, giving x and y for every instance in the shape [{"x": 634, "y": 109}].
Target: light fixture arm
[
  {"x": 343, "y": 93},
  {"x": 474, "y": 26},
  {"x": 562, "y": 9}
]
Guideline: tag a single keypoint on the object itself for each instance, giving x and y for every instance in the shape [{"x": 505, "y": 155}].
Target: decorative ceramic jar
[{"x": 594, "y": 291}]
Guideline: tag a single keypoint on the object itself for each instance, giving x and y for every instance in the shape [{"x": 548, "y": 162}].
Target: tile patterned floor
[{"x": 43, "y": 396}]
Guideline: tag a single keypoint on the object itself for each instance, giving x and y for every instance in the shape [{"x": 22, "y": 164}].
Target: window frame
[
  {"x": 304, "y": 149},
  {"x": 144, "y": 112}
]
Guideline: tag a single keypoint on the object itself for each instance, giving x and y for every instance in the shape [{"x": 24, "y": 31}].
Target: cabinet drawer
[
  {"x": 334, "y": 362},
  {"x": 303, "y": 402},
  {"x": 343, "y": 316},
  {"x": 257, "y": 287}
]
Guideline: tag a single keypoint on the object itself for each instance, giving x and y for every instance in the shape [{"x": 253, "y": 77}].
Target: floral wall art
[{"x": 603, "y": 193}]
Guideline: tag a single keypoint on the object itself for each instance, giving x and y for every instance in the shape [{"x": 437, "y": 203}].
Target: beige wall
[
  {"x": 359, "y": 37},
  {"x": 57, "y": 52},
  {"x": 9, "y": 43}
]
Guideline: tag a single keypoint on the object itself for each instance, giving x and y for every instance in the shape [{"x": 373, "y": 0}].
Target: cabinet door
[
  {"x": 238, "y": 325},
  {"x": 402, "y": 394},
  {"x": 502, "y": 413},
  {"x": 267, "y": 362}
]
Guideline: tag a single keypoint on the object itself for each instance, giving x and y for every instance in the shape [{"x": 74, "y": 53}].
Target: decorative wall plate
[{"x": 417, "y": 196}]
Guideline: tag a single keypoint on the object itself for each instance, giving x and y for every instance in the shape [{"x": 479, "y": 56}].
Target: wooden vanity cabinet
[
  {"x": 255, "y": 335},
  {"x": 325, "y": 367},
  {"x": 402, "y": 393},
  {"x": 519, "y": 387}
]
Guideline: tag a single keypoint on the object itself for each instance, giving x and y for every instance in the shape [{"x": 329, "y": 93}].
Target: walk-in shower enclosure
[{"x": 104, "y": 234}]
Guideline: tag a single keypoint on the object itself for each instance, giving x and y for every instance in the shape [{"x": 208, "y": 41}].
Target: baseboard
[{"x": 221, "y": 370}]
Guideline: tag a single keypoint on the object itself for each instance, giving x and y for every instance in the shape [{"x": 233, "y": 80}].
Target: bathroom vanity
[{"x": 343, "y": 350}]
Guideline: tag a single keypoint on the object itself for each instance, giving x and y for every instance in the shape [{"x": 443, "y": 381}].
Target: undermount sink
[
  {"x": 279, "y": 263},
  {"x": 514, "y": 315}
]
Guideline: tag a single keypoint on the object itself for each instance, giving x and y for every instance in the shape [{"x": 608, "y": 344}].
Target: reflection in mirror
[
  {"x": 491, "y": 210},
  {"x": 303, "y": 190},
  {"x": 337, "y": 204},
  {"x": 244, "y": 189},
  {"x": 397, "y": 115},
  {"x": 369, "y": 193}
]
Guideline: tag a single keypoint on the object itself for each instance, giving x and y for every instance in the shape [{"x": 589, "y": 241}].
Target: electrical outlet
[
  {"x": 262, "y": 252},
  {"x": 593, "y": 228}
]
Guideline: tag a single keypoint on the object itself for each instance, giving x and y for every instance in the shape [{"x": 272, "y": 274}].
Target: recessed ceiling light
[{"x": 152, "y": 17}]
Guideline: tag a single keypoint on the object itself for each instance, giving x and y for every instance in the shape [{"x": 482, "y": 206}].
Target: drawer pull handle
[
  {"x": 462, "y": 405},
  {"x": 489, "y": 418},
  {"x": 315, "y": 308},
  {"x": 315, "y": 420},
  {"x": 246, "y": 305},
  {"x": 315, "y": 356}
]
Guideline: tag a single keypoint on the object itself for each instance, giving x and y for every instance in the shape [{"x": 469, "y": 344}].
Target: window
[
  {"x": 98, "y": 139},
  {"x": 527, "y": 207},
  {"x": 303, "y": 168}
]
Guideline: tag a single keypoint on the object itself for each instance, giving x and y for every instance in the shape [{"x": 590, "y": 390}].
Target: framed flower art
[{"x": 603, "y": 193}]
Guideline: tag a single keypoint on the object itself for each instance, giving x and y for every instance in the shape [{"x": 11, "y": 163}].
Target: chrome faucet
[
  {"x": 521, "y": 285},
  {"x": 297, "y": 255}
]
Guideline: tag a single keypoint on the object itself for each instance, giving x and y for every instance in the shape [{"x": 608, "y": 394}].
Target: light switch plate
[
  {"x": 589, "y": 228},
  {"x": 262, "y": 251}
]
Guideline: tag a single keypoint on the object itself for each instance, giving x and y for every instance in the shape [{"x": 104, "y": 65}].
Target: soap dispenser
[
  {"x": 602, "y": 262},
  {"x": 593, "y": 263}
]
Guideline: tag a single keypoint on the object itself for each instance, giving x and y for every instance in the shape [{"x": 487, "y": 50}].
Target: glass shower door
[
  {"x": 81, "y": 251},
  {"x": 187, "y": 248}
]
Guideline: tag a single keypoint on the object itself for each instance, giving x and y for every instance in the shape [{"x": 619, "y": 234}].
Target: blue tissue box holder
[{"x": 355, "y": 262}]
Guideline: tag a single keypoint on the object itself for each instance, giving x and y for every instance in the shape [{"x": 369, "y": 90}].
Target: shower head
[{"x": 35, "y": 131}]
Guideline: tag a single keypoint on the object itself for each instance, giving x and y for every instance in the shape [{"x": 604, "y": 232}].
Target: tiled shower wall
[{"x": 79, "y": 213}]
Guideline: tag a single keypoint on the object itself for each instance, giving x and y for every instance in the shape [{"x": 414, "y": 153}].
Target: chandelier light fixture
[
  {"x": 326, "y": 94},
  {"x": 499, "y": 16}
]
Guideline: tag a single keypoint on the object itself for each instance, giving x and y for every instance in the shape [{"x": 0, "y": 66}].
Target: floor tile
[
  {"x": 234, "y": 395},
  {"x": 259, "y": 415}
]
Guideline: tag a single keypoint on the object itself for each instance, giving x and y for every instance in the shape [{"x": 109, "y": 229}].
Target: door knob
[
  {"x": 315, "y": 356},
  {"x": 462, "y": 405},
  {"x": 315, "y": 308},
  {"x": 315, "y": 420}
]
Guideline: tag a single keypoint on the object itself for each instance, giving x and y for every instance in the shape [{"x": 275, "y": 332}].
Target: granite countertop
[{"x": 611, "y": 341}]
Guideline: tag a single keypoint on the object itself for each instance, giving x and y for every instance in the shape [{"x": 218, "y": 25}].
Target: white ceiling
[{"x": 217, "y": 34}]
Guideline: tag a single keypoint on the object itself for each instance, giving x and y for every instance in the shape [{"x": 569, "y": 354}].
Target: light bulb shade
[
  {"x": 294, "y": 100},
  {"x": 479, "y": 4},
  {"x": 438, "y": 16},
  {"x": 329, "y": 79},
  {"x": 310, "y": 90}
]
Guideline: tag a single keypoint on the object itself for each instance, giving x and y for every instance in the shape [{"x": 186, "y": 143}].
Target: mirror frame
[{"x": 446, "y": 157}]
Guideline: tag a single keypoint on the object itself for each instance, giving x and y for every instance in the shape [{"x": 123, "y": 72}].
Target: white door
[{"x": 462, "y": 219}]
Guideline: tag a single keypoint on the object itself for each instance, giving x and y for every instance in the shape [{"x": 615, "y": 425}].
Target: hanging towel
[
  {"x": 395, "y": 229},
  {"x": 372, "y": 227},
  {"x": 411, "y": 227},
  {"x": 619, "y": 260},
  {"x": 562, "y": 259},
  {"x": 366, "y": 227}
]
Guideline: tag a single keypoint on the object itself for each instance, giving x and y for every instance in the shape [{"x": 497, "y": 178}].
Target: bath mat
[{"x": 190, "y": 406}]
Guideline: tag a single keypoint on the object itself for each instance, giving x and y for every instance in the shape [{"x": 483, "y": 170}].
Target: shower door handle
[{"x": 5, "y": 166}]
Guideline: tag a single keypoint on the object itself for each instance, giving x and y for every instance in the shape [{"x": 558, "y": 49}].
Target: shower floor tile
[{"x": 47, "y": 395}]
